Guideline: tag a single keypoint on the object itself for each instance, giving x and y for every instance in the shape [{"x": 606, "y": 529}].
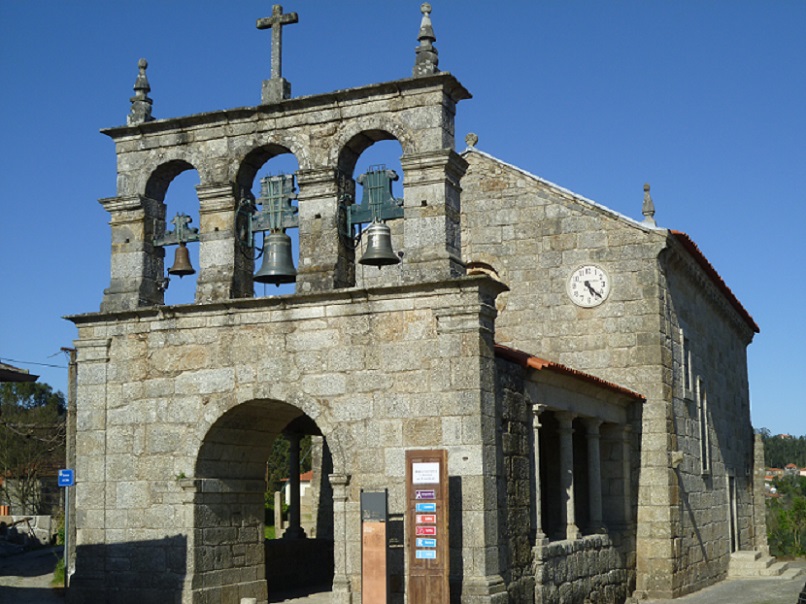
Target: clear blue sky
[{"x": 704, "y": 100}]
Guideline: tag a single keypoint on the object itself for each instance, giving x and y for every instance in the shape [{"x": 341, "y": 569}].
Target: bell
[
  {"x": 182, "y": 264},
  {"x": 379, "y": 246},
  {"x": 278, "y": 265}
]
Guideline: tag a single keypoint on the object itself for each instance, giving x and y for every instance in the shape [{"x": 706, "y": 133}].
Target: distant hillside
[{"x": 780, "y": 450}]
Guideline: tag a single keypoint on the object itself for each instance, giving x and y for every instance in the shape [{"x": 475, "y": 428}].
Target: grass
[
  {"x": 268, "y": 532},
  {"x": 58, "y": 574}
]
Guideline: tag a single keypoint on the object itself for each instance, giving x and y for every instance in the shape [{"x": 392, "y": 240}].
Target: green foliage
[
  {"x": 277, "y": 464},
  {"x": 778, "y": 452},
  {"x": 786, "y": 517},
  {"x": 32, "y": 441}
]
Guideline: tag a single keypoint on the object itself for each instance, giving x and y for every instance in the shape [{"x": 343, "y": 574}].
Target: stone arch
[
  {"x": 227, "y": 553},
  {"x": 363, "y": 134},
  {"x": 161, "y": 177},
  {"x": 256, "y": 158}
]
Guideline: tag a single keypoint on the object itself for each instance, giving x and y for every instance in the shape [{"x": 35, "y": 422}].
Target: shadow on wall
[
  {"x": 140, "y": 572},
  {"x": 301, "y": 566}
]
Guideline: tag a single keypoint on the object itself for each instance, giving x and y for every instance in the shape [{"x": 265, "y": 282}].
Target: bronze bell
[
  {"x": 182, "y": 264},
  {"x": 278, "y": 265},
  {"x": 379, "y": 246}
]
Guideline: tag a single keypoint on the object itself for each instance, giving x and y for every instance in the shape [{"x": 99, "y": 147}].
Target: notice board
[{"x": 427, "y": 526}]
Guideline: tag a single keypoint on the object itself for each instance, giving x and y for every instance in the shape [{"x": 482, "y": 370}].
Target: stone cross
[{"x": 277, "y": 88}]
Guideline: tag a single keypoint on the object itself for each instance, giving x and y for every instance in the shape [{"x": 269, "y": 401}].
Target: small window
[
  {"x": 702, "y": 414},
  {"x": 685, "y": 365}
]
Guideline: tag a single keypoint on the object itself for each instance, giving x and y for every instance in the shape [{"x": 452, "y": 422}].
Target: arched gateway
[{"x": 559, "y": 485}]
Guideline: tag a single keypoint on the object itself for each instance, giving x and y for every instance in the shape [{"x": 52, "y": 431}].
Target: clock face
[{"x": 588, "y": 286}]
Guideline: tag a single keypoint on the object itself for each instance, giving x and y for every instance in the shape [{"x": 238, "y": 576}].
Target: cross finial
[
  {"x": 648, "y": 208},
  {"x": 141, "y": 104},
  {"x": 277, "y": 88},
  {"x": 426, "y": 60}
]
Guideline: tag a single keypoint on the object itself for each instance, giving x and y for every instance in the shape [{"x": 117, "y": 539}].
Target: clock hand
[{"x": 591, "y": 290}]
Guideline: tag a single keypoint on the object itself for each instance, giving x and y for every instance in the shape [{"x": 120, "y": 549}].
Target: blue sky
[{"x": 706, "y": 101}]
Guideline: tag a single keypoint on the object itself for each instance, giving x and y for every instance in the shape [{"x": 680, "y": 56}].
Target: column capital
[
  {"x": 565, "y": 418},
  {"x": 216, "y": 197},
  {"x": 593, "y": 424},
  {"x": 128, "y": 203},
  {"x": 453, "y": 164}
]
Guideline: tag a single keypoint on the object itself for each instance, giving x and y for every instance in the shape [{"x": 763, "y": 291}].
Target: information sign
[
  {"x": 427, "y": 527},
  {"x": 425, "y": 473},
  {"x": 66, "y": 478}
]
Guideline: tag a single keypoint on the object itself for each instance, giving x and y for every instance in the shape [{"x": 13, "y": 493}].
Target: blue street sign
[{"x": 67, "y": 478}]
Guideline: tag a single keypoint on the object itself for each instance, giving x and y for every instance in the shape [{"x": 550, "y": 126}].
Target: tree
[
  {"x": 782, "y": 450},
  {"x": 32, "y": 442},
  {"x": 277, "y": 464}
]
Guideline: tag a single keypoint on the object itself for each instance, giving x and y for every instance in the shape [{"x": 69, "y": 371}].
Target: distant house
[
  {"x": 305, "y": 480},
  {"x": 12, "y": 374},
  {"x": 791, "y": 470}
]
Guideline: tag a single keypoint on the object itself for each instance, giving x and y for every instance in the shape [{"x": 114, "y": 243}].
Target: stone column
[
  {"x": 760, "y": 542},
  {"x": 626, "y": 461},
  {"x": 294, "y": 530},
  {"x": 565, "y": 420},
  {"x": 91, "y": 492},
  {"x": 342, "y": 593},
  {"x": 326, "y": 262},
  {"x": 137, "y": 265},
  {"x": 226, "y": 262},
  {"x": 537, "y": 512},
  {"x": 431, "y": 239},
  {"x": 594, "y": 474}
]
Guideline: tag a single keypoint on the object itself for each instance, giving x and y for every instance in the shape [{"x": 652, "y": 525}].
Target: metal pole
[{"x": 66, "y": 533}]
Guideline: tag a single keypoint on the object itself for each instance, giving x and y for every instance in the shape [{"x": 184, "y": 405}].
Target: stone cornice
[
  {"x": 449, "y": 85},
  {"x": 485, "y": 286}
]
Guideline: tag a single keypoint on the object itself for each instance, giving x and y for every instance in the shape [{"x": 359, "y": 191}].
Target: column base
[{"x": 295, "y": 532}]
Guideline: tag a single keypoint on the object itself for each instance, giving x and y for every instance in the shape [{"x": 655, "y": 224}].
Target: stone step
[{"x": 756, "y": 564}]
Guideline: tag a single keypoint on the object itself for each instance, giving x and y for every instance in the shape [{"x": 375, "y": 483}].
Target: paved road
[
  {"x": 775, "y": 590},
  {"x": 25, "y": 578}
]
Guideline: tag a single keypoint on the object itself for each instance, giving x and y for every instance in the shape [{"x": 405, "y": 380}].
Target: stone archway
[{"x": 229, "y": 557}]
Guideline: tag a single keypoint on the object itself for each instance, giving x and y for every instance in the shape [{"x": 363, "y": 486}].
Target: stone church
[{"x": 584, "y": 372}]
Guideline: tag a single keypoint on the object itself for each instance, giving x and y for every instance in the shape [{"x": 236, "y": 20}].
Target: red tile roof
[
  {"x": 706, "y": 266},
  {"x": 524, "y": 359}
]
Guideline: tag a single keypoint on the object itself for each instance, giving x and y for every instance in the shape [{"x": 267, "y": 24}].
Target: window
[
  {"x": 685, "y": 366},
  {"x": 702, "y": 416}
]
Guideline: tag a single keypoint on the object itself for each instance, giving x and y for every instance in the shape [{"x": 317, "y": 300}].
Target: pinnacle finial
[
  {"x": 426, "y": 60},
  {"x": 648, "y": 208},
  {"x": 141, "y": 104},
  {"x": 471, "y": 140}
]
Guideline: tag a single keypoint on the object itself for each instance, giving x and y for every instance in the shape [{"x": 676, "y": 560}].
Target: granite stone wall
[
  {"x": 535, "y": 234},
  {"x": 178, "y": 406}
]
